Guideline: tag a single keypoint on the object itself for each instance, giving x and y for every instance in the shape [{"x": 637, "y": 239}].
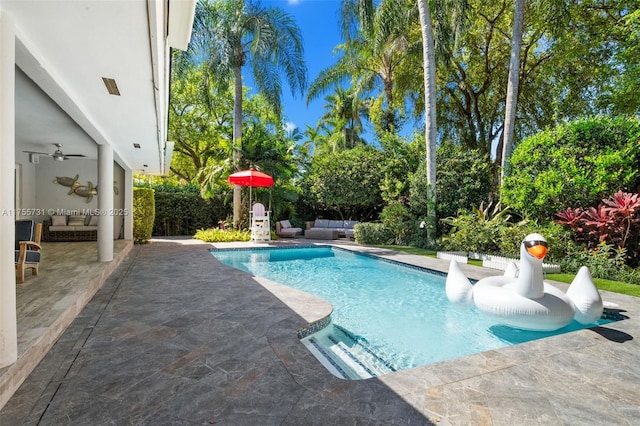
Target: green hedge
[
  {"x": 183, "y": 213},
  {"x": 372, "y": 233},
  {"x": 143, "y": 214}
]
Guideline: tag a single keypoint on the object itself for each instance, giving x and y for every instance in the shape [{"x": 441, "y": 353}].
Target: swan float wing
[
  {"x": 511, "y": 270},
  {"x": 458, "y": 287},
  {"x": 585, "y": 297}
]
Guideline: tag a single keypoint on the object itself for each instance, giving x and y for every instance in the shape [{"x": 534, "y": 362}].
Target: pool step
[{"x": 345, "y": 356}]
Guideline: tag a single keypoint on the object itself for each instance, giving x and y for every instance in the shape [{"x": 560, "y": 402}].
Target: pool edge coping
[{"x": 475, "y": 365}]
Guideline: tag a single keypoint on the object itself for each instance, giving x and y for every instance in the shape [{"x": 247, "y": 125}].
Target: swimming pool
[{"x": 387, "y": 316}]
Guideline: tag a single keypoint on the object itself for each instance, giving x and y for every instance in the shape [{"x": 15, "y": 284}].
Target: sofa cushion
[
  {"x": 336, "y": 223},
  {"x": 86, "y": 228},
  {"x": 93, "y": 220},
  {"x": 31, "y": 256},
  {"x": 58, "y": 220},
  {"x": 349, "y": 224},
  {"x": 284, "y": 224},
  {"x": 76, "y": 220},
  {"x": 290, "y": 232},
  {"x": 321, "y": 223},
  {"x": 53, "y": 228},
  {"x": 24, "y": 231}
]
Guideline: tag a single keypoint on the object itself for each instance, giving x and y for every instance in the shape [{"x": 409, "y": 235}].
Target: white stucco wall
[
  {"x": 118, "y": 202},
  {"x": 50, "y": 196},
  {"x": 26, "y": 176}
]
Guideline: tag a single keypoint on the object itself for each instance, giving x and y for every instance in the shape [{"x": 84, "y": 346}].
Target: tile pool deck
[{"x": 175, "y": 337}]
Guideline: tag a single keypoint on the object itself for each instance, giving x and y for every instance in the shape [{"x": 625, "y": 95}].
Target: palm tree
[
  {"x": 456, "y": 15},
  {"x": 429, "y": 71},
  {"x": 553, "y": 11},
  {"x": 232, "y": 34},
  {"x": 376, "y": 45},
  {"x": 344, "y": 111},
  {"x": 512, "y": 86}
]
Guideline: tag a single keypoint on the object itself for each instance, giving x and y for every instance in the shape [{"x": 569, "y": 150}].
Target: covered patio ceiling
[{"x": 66, "y": 49}]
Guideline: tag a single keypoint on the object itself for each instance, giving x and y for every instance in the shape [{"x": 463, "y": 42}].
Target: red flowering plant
[
  {"x": 571, "y": 217},
  {"x": 615, "y": 221},
  {"x": 598, "y": 222},
  {"x": 624, "y": 207}
]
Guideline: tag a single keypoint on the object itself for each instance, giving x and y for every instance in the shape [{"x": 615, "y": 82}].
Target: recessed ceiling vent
[
  {"x": 136, "y": 145},
  {"x": 111, "y": 85}
]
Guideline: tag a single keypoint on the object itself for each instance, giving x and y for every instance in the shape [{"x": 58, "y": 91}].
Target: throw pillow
[
  {"x": 285, "y": 224},
  {"x": 321, "y": 223},
  {"x": 58, "y": 220},
  {"x": 335, "y": 224},
  {"x": 76, "y": 220}
]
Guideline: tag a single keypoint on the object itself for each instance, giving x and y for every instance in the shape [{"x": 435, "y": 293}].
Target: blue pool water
[{"x": 398, "y": 316}]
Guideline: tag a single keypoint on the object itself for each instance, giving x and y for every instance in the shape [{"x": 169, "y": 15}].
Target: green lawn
[
  {"x": 602, "y": 284},
  {"x": 614, "y": 286}
]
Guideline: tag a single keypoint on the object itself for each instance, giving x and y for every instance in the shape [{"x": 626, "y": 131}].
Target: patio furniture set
[{"x": 319, "y": 229}]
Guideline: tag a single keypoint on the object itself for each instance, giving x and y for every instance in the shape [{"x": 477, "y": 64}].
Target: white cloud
[{"x": 293, "y": 2}]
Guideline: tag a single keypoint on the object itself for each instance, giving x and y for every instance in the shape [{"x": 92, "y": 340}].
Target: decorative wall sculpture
[{"x": 76, "y": 188}]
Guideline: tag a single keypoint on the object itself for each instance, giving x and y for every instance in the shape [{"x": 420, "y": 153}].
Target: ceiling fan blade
[
  {"x": 74, "y": 155},
  {"x": 35, "y": 152}
]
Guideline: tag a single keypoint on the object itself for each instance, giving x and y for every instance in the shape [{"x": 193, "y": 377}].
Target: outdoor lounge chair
[
  {"x": 284, "y": 229},
  {"x": 260, "y": 223},
  {"x": 27, "y": 247}
]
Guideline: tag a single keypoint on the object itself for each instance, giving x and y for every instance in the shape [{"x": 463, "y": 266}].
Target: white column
[
  {"x": 8, "y": 321},
  {"x": 105, "y": 203},
  {"x": 128, "y": 204}
]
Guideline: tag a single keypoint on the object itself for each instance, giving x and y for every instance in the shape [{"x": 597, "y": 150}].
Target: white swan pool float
[{"x": 522, "y": 299}]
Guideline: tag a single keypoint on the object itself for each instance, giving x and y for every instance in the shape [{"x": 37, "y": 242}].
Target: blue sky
[{"x": 318, "y": 22}]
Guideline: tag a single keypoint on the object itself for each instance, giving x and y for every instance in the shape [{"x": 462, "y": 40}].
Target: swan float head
[{"x": 522, "y": 299}]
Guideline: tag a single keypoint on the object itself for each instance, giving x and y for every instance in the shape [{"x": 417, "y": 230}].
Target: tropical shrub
[
  {"x": 372, "y": 233},
  {"x": 400, "y": 157},
  {"x": 464, "y": 179},
  {"x": 478, "y": 230},
  {"x": 574, "y": 164},
  {"x": 615, "y": 221},
  {"x": 143, "y": 214},
  {"x": 396, "y": 218},
  {"x": 217, "y": 235},
  {"x": 345, "y": 184},
  {"x": 558, "y": 237},
  {"x": 421, "y": 203},
  {"x": 604, "y": 261}
]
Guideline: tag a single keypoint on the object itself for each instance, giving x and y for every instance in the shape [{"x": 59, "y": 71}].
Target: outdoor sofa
[
  {"x": 325, "y": 229},
  {"x": 71, "y": 228},
  {"x": 284, "y": 229}
]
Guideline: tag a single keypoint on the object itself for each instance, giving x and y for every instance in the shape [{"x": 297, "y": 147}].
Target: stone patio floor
[{"x": 174, "y": 337}]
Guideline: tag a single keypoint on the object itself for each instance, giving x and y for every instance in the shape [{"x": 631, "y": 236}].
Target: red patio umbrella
[{"x": 251, "y": 178}]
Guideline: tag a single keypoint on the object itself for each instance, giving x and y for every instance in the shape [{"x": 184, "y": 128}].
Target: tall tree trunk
[
  {"x": 237, "y": 143},
  {"x": 512, "y": 88},
  {"x": 429, "y": 71}
]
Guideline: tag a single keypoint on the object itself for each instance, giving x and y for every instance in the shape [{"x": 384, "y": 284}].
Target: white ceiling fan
[{"x": 58, "y": 155}]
